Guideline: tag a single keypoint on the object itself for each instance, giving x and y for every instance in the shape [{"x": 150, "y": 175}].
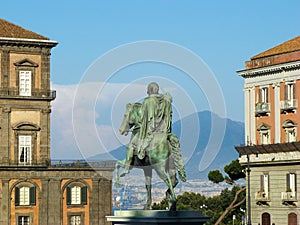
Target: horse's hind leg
[
  {"x": 148, "y": 178},
  {"x": 162, "y": 173},
  {"x": 174, "y": 181}
]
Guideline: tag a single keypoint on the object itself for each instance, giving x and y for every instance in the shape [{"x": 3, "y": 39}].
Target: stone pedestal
[{"x": 157, "y": 217}]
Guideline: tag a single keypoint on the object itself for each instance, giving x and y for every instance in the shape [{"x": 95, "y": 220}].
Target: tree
[{"x": 235, "y": 172}]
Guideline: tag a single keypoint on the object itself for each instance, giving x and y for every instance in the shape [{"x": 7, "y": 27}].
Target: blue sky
[{"x": 224, "y": 34}]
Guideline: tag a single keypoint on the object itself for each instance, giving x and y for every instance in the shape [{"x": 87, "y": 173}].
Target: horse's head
[{"x": 131, "y": 118}]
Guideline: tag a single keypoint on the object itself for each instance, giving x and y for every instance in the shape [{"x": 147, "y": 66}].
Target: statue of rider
[
  {"x": 156, "y": 118},
  {"x": 155, "y": 124}
]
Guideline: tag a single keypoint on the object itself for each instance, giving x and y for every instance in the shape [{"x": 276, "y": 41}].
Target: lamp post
[{"x": 249, "y": 197}]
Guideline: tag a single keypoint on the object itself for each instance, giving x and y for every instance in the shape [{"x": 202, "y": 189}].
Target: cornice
[
  {"x": 27, "y": 42},
  {"x": 270, "y": 69}
]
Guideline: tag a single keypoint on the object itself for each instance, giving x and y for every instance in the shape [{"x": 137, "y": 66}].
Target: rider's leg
[{"x": 129, "y": 155}]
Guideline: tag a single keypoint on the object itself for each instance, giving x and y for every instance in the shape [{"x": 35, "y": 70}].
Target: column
[
  {"x": 5, "y": 142},
  {"x": 55, "y": 202},
  {"x": 277, "y": 111},
  {"x": 5, "y": 204},
  {"x": 94, "y": 202},
  {"x": 252, "y": 116},
  {"x": 246, "y": 115}
]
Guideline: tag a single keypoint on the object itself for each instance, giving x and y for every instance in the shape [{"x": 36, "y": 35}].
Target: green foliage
[
  {"x": 215, "y": 176},
  {"x": 234, "y": 170},
  {"x": 210, "y": 206}
]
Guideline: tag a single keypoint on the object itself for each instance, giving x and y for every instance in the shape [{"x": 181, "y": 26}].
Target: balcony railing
[
  {"x": 288, "y": 196},
  {"x": 82, "y": 163},
  {"x": 38, "y": 94},
  {"x": 262, "y": 108},
  {"x": 289, "y": 105},
  {"x": 262, "y": 196}
]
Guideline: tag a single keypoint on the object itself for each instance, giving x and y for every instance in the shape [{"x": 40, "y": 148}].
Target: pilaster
[{"x": 5, "y": 137}]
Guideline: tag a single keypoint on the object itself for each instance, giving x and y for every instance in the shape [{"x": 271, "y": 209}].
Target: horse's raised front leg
[
  {"x": 119, "y": 164},
  {"x": 148, "y": 178}
]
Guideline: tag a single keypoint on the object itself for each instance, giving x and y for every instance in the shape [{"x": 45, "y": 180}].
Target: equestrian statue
[{"x": 152, "y": 144}]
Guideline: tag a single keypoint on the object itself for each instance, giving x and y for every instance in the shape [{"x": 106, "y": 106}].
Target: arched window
[
  {"x": 292, "y": 219},
  {"x": 265, "y": 219}
]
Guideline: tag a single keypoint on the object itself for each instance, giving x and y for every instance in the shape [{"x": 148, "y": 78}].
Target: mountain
[{"x": 197, "y": 130}]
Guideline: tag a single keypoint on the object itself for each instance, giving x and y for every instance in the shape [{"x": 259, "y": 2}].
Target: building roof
[
  {"x": 286, "y": 47},
  {"x": 10, "y": 30},
  {"x": 270, "y": 148}
]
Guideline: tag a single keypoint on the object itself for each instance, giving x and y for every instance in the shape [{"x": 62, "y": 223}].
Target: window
[
  {"x": 291, "y": 183},
  {"x": 290, "y": 130},
  {"x": 25, "y": 196},
  {"x": 289, "y": 91},
  {"x": 23, "y": 220},
  {"x": 263, "y": 94},
  {"x": 291, "y": 135},
  {"x": 24, "y": 83},
  {"x": 265, "y": 137},
  {"x": 25, "y": 149},
  {"x": 264, "y": 185},
  {"x": 264, "y": 133},
  {"x": 76, "y": 195},
  {"x": 75, "y": 220}
]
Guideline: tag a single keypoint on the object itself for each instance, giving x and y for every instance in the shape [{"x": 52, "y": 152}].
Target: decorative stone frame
[
  {"x": 30, "y": 215},
  {"x": 264, "y": 129},
  {"x": 26, "y": 65},
  {"x": 289, "y": 126},
  {"x": 30, "y": 130}
]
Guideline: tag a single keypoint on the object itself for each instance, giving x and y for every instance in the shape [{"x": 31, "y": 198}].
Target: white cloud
[{"x": 86, "y": 117}]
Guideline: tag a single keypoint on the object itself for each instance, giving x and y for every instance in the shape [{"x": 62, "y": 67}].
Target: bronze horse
[{"x": 164, "y": 157}]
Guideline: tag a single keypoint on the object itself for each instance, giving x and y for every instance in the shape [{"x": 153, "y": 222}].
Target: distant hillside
[{"x": 234, "y": 135}]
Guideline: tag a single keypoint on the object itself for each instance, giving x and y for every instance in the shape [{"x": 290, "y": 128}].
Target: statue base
[{"x": 157, "y": 217}]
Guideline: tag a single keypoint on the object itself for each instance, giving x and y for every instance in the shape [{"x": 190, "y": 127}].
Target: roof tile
[
  {"x": 11, "y": 30},
  {"x": 286, "y": 47}
]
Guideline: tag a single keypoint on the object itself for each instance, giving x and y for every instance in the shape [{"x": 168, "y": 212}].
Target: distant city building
[
  {"x": 34, "y": 189},
  {"x": 272, "y": 135}
]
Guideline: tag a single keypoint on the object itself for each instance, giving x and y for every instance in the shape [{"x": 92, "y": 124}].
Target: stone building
[
  {"x": 34, "y": 190},
  {"x": 272, "y": 136}
]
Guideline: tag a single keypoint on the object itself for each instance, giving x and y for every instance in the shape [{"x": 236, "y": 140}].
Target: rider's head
[{"x": 152, "y": 88}]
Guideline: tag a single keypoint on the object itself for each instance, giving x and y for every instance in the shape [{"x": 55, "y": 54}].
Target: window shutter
[
  {"x": 295, "y": 182},
  {"x": 68, "y": 196},
  {"x": 260, "y": 95},
  {"x": 286, "y": 92},
  {"x": 17, "y": 196},
  {"x": 288, "y": 181},
  {"x": 262, "y": 183},
  {"x": 84, "y": 195},
  {"x": 267, "y": 94},
  {"x": 32, "y": 195},
  {"x": 294, "y": 91}
]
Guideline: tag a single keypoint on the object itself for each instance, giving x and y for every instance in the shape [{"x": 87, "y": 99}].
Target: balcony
[
  {"x": 262, "y": 108},
  {"x": 288, "y": 198},
  {"x": 288, "y": 105},
  {"x": 262, "y": 198},
  {"x": 12, "y": 93}
]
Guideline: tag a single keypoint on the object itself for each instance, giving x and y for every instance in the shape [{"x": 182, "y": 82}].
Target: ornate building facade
[
  {"x": 34, "y": 190},
  {"x": 272, "y": 135}
]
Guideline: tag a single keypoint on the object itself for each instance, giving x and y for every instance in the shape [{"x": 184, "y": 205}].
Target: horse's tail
[{"x": 176, "y": 154}]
